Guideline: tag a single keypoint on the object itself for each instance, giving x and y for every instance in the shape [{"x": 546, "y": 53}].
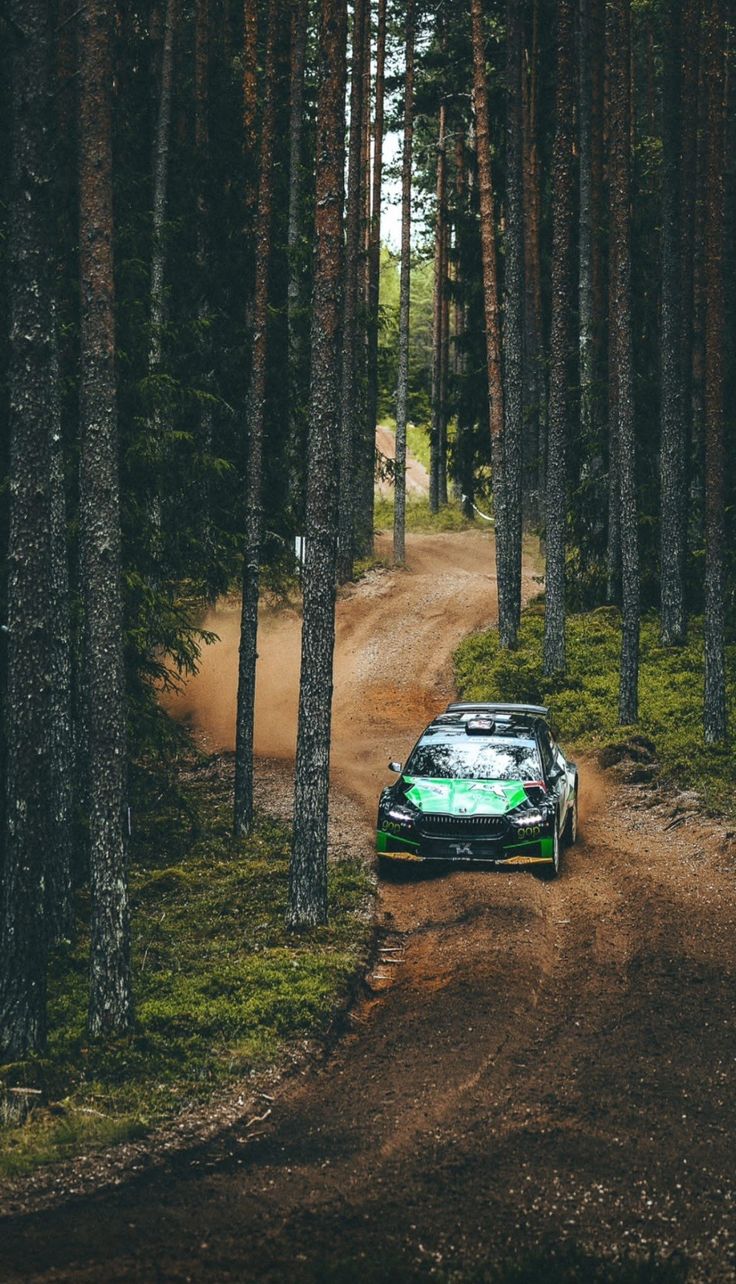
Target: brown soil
[{"x": 531, "y": 1065}]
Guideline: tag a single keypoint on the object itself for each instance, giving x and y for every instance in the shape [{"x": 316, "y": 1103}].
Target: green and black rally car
[{"x": 484, "y": 783}]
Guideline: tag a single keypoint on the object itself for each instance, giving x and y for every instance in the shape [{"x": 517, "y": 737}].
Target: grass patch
[
  {"x": 584, "y": 704},
  {"x": 221, "y": 986},
  {"x": 419, "y": 518},
  {"x": 418, "y": 444}
]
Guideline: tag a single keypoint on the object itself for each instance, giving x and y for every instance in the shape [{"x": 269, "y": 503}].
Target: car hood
[{"x": 464, "y": 797}]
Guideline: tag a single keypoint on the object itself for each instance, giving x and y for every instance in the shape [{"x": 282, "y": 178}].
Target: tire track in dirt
[{"x": 532, "y": 1064}]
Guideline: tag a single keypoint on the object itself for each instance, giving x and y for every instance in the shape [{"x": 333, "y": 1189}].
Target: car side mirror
[
  {"x": 555, "y": 772},
  {"x": 395, "y": 766}
]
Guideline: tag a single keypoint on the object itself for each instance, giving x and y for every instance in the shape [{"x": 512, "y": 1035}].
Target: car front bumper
[{"x": 476, "y": 850}]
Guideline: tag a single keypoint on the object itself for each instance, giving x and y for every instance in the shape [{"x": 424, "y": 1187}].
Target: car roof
[{"x": 517, "y": 721}]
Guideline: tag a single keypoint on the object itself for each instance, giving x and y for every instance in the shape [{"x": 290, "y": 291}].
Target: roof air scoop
[{"x": 480, "y": 726}]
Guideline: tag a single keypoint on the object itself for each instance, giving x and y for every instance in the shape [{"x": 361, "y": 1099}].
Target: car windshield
[{"x": 474, "y": 758}]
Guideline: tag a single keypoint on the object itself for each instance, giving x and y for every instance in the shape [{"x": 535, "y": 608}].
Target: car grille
[{"x": 447, "y": 827}]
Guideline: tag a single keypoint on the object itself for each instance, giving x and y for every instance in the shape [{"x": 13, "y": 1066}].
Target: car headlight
[
  {"x": 535, "y": 817},
  {"x": 402, "y": 814}
]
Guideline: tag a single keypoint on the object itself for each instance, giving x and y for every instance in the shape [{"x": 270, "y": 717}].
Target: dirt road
[{"x": 534, "y": 1066}]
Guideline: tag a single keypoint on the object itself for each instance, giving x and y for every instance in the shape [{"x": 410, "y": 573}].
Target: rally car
[{"x": 486, "y": 784}]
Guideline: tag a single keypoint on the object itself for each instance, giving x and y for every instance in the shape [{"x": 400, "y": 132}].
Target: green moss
[
  {"x": 584, "y": 704},
  {"x": 221, "y": 986}
]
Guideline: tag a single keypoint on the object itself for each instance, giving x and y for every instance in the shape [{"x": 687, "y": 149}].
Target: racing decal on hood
[{"x": 465, "y": 797}]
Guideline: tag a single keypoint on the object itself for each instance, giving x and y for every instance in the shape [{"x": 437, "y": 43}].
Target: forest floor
[{"x": 538, "y": 1080}]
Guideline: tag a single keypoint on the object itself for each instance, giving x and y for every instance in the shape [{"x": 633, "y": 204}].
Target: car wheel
[
  {"x": 571, "y": 823},
  {"x": 546, "y": 873}
]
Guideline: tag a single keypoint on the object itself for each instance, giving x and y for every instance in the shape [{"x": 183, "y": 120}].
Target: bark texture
[
  {"x": 590, "y": 303},
  {"x": 672, "y": 420},
  {"x": 513, "y": 320},
  {"x": 506, "y": 617},
  {"x": 350, "y": 398},
  {"x": 438, "y": 317},
  {"x": 295, "y": 292},
  {"x": 255, "y": 432},
  {"x": 402, "y": 386},
  {"x": 714, "y": 710},
  {"x": 559, "y": 400},
  {"x": 61, "y": 730},
  {"x": 23, "y": 934},
  {"x": 374, "y": 260},
  {"x": 308, "y": 871},
  {"x": 621, "y": 374},
  {"x": 110, "y": 1006},
  {"x": 535, "y": 393},
  {"x": 160, "y": 187}
]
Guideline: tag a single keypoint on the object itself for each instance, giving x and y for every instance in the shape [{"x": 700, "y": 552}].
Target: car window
[
  {"x": 475, "y": 758},
  {"x": 546, "y": 747}
]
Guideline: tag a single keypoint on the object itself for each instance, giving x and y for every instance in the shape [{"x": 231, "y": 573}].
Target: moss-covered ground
[
  {"x": 221, "y": 986},
  {"x": 584, "y": 704},
  {"x": 419, "y": 518}
]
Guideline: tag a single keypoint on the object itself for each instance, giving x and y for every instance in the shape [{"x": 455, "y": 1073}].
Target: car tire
[
  {"x": 547, "y": 873},
  {"x": 571, "y": 822}
]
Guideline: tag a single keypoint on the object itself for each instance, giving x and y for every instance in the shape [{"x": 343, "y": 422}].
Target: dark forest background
[{"x": 191, "y": 292}]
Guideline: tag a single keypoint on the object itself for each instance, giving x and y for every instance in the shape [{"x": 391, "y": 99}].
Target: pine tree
[
  {"x": 506, "y": 613},
  {"x": 295, "y": 303},
  {"x": 255, "y": 430},
  {"x": 672, "y": 441},
  {"x": 110, "y": 1004},
  {"x": 374, "y": 267},
  {"x": 618, "y": 42},
  {"x": 402, "y": 387},
  {"x": 714, "y": 710},
  {"x": 559, "y": 401},
  {"x": 350, "y": 342},
  {"x": 513, "y": 318},
  {"x": 31, "y": 379},
  {"x": 308, "y": 871},
  {"x": 438, "y": 312},
  {"x": 535, "y": 392}
]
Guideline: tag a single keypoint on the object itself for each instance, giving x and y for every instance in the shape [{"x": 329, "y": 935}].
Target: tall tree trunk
[
  {"x": 714, "y": 709},
  {"x": 250, "y": 104},
  {"x": 444, "y": 368},
  {"x": 590, "y": 303},
  {"x": 618, "y": 33},
  {"x": 535, "y": 394},
  {"x": 353, "y": 257},
  {"x": 255, "y": 430},
  {"x": 295, "y": 302},
  {"x": 691, "y": 166},
  {"x": 438, "y": 313},
  {"x": 308, "y": 871},
  {"x": 506, "y": 613},
  {"x": 31, "y": 373},
  {"x": 464, "y": 444},
  {"x": 562, "y": 213},
  {"x": 202, "y": 148},
  {"x": 110, "y": 1005},
  {"x": 62, "y": 754},
  {"x": 160, "y": 187},
  {"x": 160, "y": 175},
  {"x": 364, "y": 481},
  {"x": 513, "y": 327},
  {"x": 374, "y": 266},
  {"x": 402, "y": 387},
  {"x": 672, "y": 441}
]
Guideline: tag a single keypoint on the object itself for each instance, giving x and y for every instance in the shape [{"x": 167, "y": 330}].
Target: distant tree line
[{"x": 200, "y": 330}]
